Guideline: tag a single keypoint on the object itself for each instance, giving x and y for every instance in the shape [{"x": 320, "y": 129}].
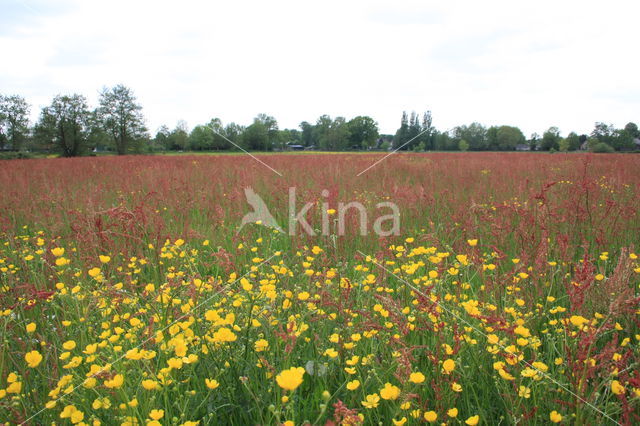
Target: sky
[{"x": 533, "y": 64}]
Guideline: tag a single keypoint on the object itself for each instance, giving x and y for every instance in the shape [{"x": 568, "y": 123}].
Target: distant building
[
  {"x": 523, "y": 147},
  {"x": 290, "y": 146}
]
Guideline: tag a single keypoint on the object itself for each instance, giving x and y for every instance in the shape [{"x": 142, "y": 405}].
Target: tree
[
  {"x": 550, "y": 139},
  {"x": 66, "y": 123},
  {"x": 573, "y": 141},
  {"x": 363, "y": 132},
  {"x": 161, "y": 140},
  {"x": 474, "y": 134},
  {"x": 232, "y": 131},
  {"x": 179, "y": 137},
  {"x": 632, "y": 129},
  {"x": 504, "y": 138},
  {"x": 463, "y": 145},
  {"x": 201, "y": 138},
  {"x": 402, "y": 134},
  {"x": 14, "y": 121},
  {"x": 121, "y": 116},
  {"x": 563, "y": 145},
  {"x": 427, "y": 127},
  {"x": 332, "y": 135},
  {"x": 256, "y": 136},
  {"x": 307, "y": 134}
]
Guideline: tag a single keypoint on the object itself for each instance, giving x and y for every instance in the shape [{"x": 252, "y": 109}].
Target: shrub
[
  {"x": 13, "y": 155},
  {"x": 602, "y": 148}
]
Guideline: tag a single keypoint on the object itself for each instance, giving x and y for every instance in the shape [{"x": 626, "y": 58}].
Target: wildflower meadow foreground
[{"x": 131, "y": 295}]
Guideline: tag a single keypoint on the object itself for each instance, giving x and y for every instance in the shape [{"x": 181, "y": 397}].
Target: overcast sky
[{"x": 532, "y": 64}]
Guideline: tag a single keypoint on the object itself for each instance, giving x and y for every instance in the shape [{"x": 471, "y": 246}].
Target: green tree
[
  {"x": 121, "y": 116},
  {"x": 256, "y": 137},
  {"x": 463, "y": 145},
  {"x": 428, "y": 131},
  {"x": 201, "y": 138},
  {"x": 573, "y": 141},
  {"x": 161, "y": 140},
  {"x": 332, "y": 135},
  {"x": 475, "y": 134},
  {"x": 550, "y": 139},
  {"x": 363, "y": 132},
  {"x": 563, "y": 145},
  {"x": 233, "y": 132},
  {"x": 307, "y": 134},
  {"x": 14, "y": 122},
  {"x": 66, "y": 124},
  {"x": 402, "y": 134},
  {"x": 632, "y": 129},
  {"x": 179, "y": 137},
  {"x": 504, "y": 138}
]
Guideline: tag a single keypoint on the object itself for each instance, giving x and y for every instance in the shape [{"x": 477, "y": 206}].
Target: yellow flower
[
  {"x": 473, "y": 420},
  {"x": 473, "y": 242},
  {"x": 331, "y": 212},
  {"x": 31, "y": 327},
  {"x": 211, "y": 383},
  {"x": 175, "y": 363},
  {"x": 156, "y": 414},
  {"x": 61, "y": 261},
  {"x": 555, "y": 417},
  {"x": 261, "y": 345},
  {"x": 524, "y": 392},
  {"x": 150, "y": 384},
  {"x": 400, "y": 422},
  {"x": 224, "y": 335},
  {"x": 94, "y": 272},
  {"x": 72, "y": 413},
  {"x": 448, "y": 366},
  {"x": 416, "y": 377},
  {"x": 430, "y": 416},
  {"x": 453, "y": 412},
  {"x": 105, "y": 259},
  {"x": 69, "y": 345},
  {"x": 115, "y": 382},
  {"x": 617, "y": 388},
  {"x": 353, "y": 385},
  {"x": 57, "y": 252},
  {"x": 33, "y": 358},
  {"x": 390, "y": 392},
  {"x": 371, "y": 401},
  {"x": 578, "y": 320},
  {"x": 522, "y": 331},
  {"x": 331, "y": 353},
  {"x": 290, "y": 379}
]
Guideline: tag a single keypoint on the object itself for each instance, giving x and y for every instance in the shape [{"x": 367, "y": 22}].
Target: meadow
[{"x": 129, "y": 294}]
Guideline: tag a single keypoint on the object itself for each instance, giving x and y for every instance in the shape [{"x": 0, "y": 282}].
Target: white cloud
[{"x": 533, "y": 65}]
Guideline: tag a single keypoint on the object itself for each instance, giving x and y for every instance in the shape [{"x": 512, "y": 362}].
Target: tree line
[{"x": 70, "y": 127}]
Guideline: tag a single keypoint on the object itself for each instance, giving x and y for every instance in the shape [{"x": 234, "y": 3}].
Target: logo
[{"x": 384, "y": 225}]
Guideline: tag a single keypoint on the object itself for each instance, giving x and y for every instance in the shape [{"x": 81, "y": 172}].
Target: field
[{"x": 129, "y": 293}]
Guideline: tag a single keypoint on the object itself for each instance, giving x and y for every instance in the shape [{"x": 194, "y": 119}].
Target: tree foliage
[
  {"x": 14, "y": 122},
  {"x": 66, "y": 125},
  {"x": 121, "y": 117}
]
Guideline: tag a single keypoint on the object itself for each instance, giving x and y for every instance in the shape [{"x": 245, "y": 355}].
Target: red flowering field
[{"x": 466, "y": 288}]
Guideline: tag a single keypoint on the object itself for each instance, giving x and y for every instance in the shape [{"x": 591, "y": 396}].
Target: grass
[{"x": 128, "y": 296}]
